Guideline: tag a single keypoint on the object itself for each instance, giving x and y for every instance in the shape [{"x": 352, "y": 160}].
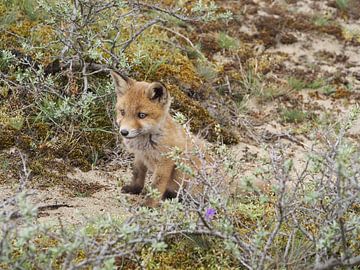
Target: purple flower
[{"x": 210, "y": 213}]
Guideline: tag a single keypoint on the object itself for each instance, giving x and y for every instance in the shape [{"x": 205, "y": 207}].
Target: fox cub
[{"x": 148, "y": 130}]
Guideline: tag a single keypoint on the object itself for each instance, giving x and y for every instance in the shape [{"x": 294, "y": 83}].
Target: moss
[
  {"x": 201, "y": 119},
  {"x": 32, "y": 30},
  {"x": 81, "y": 189},
  {"x": 270, "y": 27},
  {"x": 24, "y": 142},
  {"x": 9, "y": 167},
  {"x": 7, "y": 137},
  {"x": 83, "y": 149},
  {"x": 191, "y": 252},
  {"x": 18, "y": 28},
  {"x": 209, "y": 44},
  {"x": 41, "y": 130},
  {"x": 37, "y": 167},
  {"x": 23, "y": 139},
  {"x": 79, "y": 158},
  {"x": 288, "y": 38},
  {"x": 2, "y": 9},
  {"x": 160, "y": 64},
  {"x": 341, "y": 92},
  {"x": 48, "y": 172},
  {"x": 43, "y": 145}
]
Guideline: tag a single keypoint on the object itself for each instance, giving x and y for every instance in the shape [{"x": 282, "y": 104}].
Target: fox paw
[
  {"x": 131, "y": 189},
  {"x": 169, "y": 194}
]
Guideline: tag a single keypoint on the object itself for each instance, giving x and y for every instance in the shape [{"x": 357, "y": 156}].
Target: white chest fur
[{"x": 146, "y": 147}]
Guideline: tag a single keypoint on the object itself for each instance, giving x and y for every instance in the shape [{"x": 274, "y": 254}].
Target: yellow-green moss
[
  {"x": 170, "y": 63},
  {"x": 19, "y": 28},
  {"x": 191, "y": 252},
  {"x": 200, "y": 117}
]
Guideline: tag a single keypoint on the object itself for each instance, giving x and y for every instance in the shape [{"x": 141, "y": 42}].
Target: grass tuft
[
  {"x": 227, "y": 42},
  {"x": 293, "y": 116},
  {"x": 343, "y": 5}
]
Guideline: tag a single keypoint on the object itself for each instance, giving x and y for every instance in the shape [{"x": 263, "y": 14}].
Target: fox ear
[
  {"x": 157, "y": 92},
  {"x": 121, "y": 82}
]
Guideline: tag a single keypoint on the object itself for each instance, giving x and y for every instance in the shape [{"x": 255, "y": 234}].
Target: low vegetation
[
  {"x": 307, "y": 216},
  {"x": 292, "y": 203}
]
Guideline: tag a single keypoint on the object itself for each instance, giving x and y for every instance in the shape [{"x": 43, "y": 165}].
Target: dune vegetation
[{"x": 272, "y": 86}]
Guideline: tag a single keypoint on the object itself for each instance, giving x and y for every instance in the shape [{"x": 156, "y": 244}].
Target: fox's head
[{"x": 141, "y": 107}]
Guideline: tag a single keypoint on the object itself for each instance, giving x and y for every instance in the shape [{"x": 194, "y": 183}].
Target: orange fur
[{"x": 149, "y": 138}]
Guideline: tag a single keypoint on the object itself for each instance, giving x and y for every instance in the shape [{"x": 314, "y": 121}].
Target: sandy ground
[{"x": 55, "y": 205}]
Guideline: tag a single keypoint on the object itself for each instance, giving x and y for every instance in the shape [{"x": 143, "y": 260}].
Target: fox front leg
[
  {"x": 161, "y": 178},
  {"x": 138, "y": 179}
]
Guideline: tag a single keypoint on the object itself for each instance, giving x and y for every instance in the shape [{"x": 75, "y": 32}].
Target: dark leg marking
[
  {"x": 169, "y": 194},
  {"x": 131, "y": 189}
]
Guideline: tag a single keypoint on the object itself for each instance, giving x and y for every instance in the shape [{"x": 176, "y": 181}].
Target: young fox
[{"x": 142, "y": 114}]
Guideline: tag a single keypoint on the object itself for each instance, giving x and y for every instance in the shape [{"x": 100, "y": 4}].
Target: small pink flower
[{"x": 210, "y": 213}]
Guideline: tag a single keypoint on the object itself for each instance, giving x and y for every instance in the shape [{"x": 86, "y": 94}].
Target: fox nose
[{"x": 124, "y": 132}]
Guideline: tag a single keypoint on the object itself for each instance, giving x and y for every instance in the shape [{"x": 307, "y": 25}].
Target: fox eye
[
  {"x": 142, "y": 115},
  {"x": 122, "y": 112}
]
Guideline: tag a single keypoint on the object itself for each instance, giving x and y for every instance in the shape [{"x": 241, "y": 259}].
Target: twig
[
  {"x": 334, "y": 262},
  {"x": 169, "y": 12},
  {"x": 26, "y": 173},
  {"x": 138, "y": 33},
  {"x": 182, "y": 36},
  {"x": 72, "y": 28},
  {"x": 85, "y": 78}
]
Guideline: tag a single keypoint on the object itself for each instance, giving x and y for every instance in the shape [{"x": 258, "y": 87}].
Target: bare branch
[
  {"x": 334, "y": 262},
  {"x": 138, "y": 33}
]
